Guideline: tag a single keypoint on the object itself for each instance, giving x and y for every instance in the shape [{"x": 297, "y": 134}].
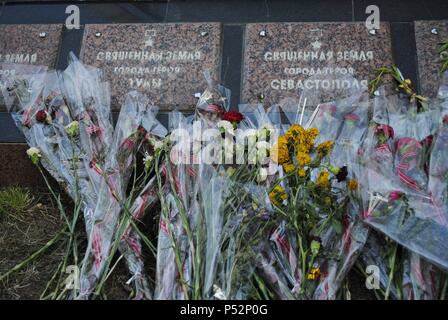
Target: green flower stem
[
  {"x": 392, "y": 271},
  {"x": 165, "y": 215}
]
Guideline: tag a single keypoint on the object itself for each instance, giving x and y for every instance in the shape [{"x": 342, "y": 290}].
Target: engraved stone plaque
[
  {"x": 166, "y": 61},
  {"x": 284, "y": 59},
  {"x": 28, "y": 44},
  {"x": 428, "y": 36}
]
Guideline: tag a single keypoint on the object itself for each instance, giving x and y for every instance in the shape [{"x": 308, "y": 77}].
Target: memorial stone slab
[
  {"x": 428, "y": 36},
  {"x": 166, "y": 61},
  {"x": 33, "y": 44},
  {"x": 283, "y": 59}
]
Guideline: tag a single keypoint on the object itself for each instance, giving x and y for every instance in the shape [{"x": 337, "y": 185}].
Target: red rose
[
  {"x": 232, "y": 116},
  {"x": 41, "y": 116}
]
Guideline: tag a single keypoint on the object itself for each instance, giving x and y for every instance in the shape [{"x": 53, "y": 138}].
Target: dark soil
[{"x": 22, "y": 236}]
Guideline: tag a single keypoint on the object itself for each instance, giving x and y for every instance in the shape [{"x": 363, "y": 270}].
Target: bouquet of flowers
[
  {"x": 65, "y": 118},
  {"x": 310, "y": 212},
  {"x": 400, "y": 205}
]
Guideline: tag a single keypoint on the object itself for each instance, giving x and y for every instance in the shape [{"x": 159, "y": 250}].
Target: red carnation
[
  {"x": 445, "y": 119},
  {"x": 41, "y": 116},
  {"x": 427, "y": 141},
  {"x": 328, "y": 108},
  {"x": 395, "y": 195},
  {"x": 387, "y": 130},
  {"x": 214, "y": 108},
  {"x": 351, "y": 117},
  {"x": 232, "y": 116}
]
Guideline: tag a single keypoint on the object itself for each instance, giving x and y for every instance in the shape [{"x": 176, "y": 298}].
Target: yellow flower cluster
[
  {"x": 277, "y": 195},
  {"x": 297, "y": 140},
  {"x": 303, "y": 140},
  {"x": 324, "y": 148},
  {"x": 303, "y": 158},
  {"x": 279, "y": 151},
  {"x": 352, "y": 184},
  {"x": 314, "y": 274},
  {"x": 288, "y": 167},
  {"x": 322, "y": 179}
]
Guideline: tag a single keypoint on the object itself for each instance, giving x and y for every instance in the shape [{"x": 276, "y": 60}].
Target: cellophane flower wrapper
[
  {"x": 88, "y": 96},
  {"x": 443, "y": 88},
  {"x": 130, "y": 244},
  {"x": 213, "y": 196},
  {"x": 339, "y": 117},
  {"x": 351, "y": 135},
  {"x": 76, "y": 94},
  {"x": 373, "y": 255},
  {"x": 213, "y": 101},
  {"x": 112, "y": 195},
  {"x": 13, "y": 75},
  {"x": 246, "y": 215},
  {"x": 415, "y": 231},
  {"x": 43, "y": 117},
  {"x": 257, "y": 117},
  {"x": 23, "y": 96},
  {"x": 279, "y": 264},
  {"x": 51, "y": 92},
  {"x": 346, "y": 248},
  {"x": 179, "y": 185},
  {"x": 424, "y": 281}
]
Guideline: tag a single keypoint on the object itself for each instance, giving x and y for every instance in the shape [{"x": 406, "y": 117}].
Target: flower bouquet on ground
[
  {"x": 136, "y": 125},
  {"x": 397, "y": 165},
  {"x": 310, "y": 216},
  {"x": 213, "y": 213},
  {"x": 65, "y": 118}
]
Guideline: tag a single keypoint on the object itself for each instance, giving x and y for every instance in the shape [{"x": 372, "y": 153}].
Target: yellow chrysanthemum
[
  {"x": 277, "y": 195},
  {"x": 303, "y": 158},
  {"x": 301, "y": 173},
  {"x": 314, "y": 274},
  {"x": 288, "y": 167},
  {"x": 324, "y": 148},
  {"x": 304, "y": 145},
  {"x": 312, "y": 133},
  {"x": 322, "y": 179},
  {"x": 279, "y": 151},
  {"x": 352, "y": 184},
  {"x": 295, "y": 132}
]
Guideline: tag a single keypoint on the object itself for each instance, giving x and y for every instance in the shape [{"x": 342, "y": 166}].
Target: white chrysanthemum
[
  {"x": 34, "y": 154},
  {"x": 72, "y": 128},
  {"x": 147, "y": 160},
  {"x": 33, "y": 151},
  {"x": 262, "y": 175},
  {"x": 219, "y": 294}
]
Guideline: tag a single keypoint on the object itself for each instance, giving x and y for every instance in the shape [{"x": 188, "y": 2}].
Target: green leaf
[{"x": 337, "y": 226}]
